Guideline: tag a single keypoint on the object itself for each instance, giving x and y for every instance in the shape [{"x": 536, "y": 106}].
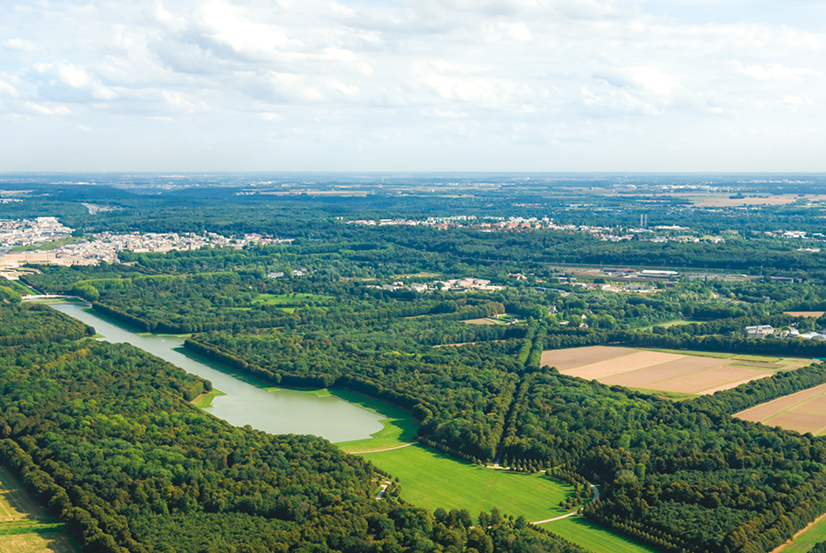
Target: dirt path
[
  {"x": 384, "y": 485},
  {"x": 380, "y": 450}
]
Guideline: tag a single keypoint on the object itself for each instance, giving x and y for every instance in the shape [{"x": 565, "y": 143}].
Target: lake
[{"x": 276, "y": 412}]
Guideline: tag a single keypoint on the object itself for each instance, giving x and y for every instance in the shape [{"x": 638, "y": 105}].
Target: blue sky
[{"x": 392, "y": 85}]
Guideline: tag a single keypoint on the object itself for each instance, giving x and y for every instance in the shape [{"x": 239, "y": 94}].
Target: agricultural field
[
  {"x": 813, "y": 314},
  {"x": 593, "y": 537},
  {"x": 666, "y": 371},
  {"x": 47, "y": 542},
  {"x": 25, "y": 527},
  {"x": 431, "y": 480},
  {"x": 804, "y": 411}
]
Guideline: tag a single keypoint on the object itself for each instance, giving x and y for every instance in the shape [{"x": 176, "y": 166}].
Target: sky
[{"x": 413, "y": 85}]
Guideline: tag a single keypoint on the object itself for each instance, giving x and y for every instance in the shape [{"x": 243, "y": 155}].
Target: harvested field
[
  {"x": 764, "y": 411},
  {"x": 804, "y": 411},
  {"x": 564, "y": 359},
  {"x": 624, "y": 364},
  {"x": 721, "y": 378},
  {"x": 799, "y": 423},
  {"x": 689, "y": 373},
  {"x": 51, "y": 542},
  {"x": 480, "y": 322},
  {"x": 814, "y": 314},
  {"x": 644, "y": 378}
]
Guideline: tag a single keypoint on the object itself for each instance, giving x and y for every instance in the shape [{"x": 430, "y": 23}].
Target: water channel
[{"x": 276, "y": 412}]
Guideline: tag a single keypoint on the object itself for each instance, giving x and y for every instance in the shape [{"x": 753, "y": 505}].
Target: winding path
[
  {"x": 380, "y": 450},
  {"x": 384, "y": 485}
]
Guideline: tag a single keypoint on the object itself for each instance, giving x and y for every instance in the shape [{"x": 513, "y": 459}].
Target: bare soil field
[
  {"x": 691, "y": 373},
  {"x": 814, "y": 314},
  {"x": 479, "y": 322},
  {"x": 764, "y": 411}
]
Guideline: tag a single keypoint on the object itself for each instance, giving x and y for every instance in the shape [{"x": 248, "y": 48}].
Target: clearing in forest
[
  {"x": 813, "y": 314},
  {"x": 24, "y": 527},
  {"x": 803, "y": 411},
  {"x": 430, "y": 479},
  {"x": 666, "y": 371}
]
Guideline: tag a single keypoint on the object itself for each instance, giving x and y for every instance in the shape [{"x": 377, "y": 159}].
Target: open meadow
[
  {"x": 430, "y": 479},
  {"x": 804, "y": 411},
  {"x": 667, "y": 371},
  {"x": 594, "y": 537}
]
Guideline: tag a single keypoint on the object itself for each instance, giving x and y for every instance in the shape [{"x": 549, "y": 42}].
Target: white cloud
[
  {"x": 6, "y": 88},
  {"x": 483, "y": 79},
  {"x": 46, "y": 110},
  {"x": 777, "y": 72},
  {"x": 19, "y": 44}
]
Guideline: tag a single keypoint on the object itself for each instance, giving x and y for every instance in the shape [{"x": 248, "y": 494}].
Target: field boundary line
[{"x": 782, "y": 546}]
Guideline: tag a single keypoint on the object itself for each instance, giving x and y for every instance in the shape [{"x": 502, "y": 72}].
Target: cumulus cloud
[{"x": 483, "y": 76}]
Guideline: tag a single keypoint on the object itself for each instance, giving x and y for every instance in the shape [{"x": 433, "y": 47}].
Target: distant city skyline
[{"x": 390, "y": 86}]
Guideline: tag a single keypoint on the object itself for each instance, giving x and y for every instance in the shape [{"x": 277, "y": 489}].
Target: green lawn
[
  {"x": 806, "y": 540},
  {"x": 430, "y": 480},
  {"x": 277, "y": 299},
  {"x": 399, "y": 427},
  {"x": 735, "y": 356},
  {"x": 47, "y": 245},
  {"x": 204, "y": 401},
  {"x": 594, "y": 537},
  {"x": 673, "y": 396}
]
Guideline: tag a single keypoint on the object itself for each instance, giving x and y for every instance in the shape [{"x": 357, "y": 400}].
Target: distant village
[{"x": 27, "y": 235}]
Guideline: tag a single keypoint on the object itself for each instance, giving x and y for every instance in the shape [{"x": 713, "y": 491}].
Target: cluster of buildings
[
  {"x": 103, "y": 246},
  {"x": 30, "y": 232},
  {"x": 663, "y": 233},
  {"x": 762, "y": 331},
  {"x": 452, "y": 285},
  {"x": 796, "y": 235}
]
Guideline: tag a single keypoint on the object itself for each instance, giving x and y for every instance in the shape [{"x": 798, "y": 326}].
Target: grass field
[
  {"x": 280, "y": 299},
  {"x": 594, "y": 537},
  {"x": 804, "y": 540},
  {"x": 399, "y": 427},
  {"x": 47, "y": 245},
  {"x": 430, "y": 480},
  {"x": 668, "y": 371},
  {"x": 204, "y": 401}
]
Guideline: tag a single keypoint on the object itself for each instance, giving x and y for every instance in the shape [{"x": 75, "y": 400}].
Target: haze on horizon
[{"x": 386, "y": 85}]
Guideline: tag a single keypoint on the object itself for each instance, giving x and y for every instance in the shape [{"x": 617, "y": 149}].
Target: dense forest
[{"x": 105, "y": 437}]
